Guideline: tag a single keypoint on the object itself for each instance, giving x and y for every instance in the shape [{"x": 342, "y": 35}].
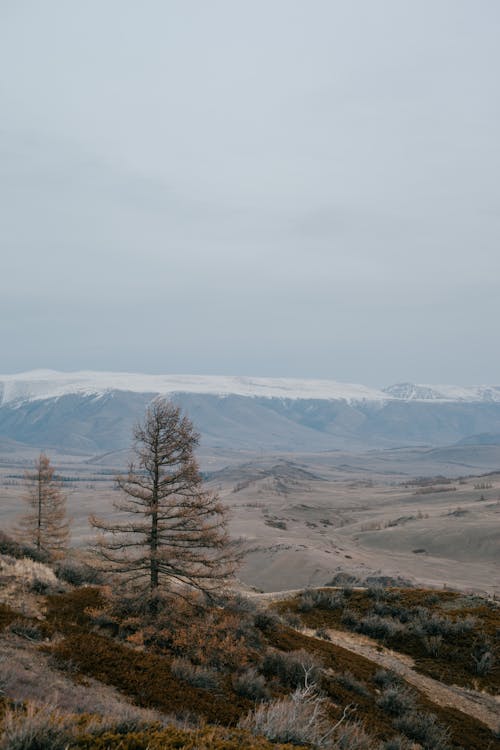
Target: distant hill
[{"x": 91, "y": 412}]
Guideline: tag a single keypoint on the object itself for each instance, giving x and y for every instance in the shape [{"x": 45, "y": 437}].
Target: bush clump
[
  {"x": 9, "y": 546},
  {"x": 382, "y": 678},
  {"x": 484, "y": 661},
  {"x": 300, "y": 718},
  {"x": 324, "y": 599},
  {"x": 396, "y": 700},
  {"x": 26, "y": 629},
  {"x": 425, "y": 729},
  {"x": 33, "y": 576},
  {"x": 250, "y": 684},
  {"x": 35, "y": 728},
  {"x": 432, "y": 644},
  {"x": 292, "y": 668},
  {"x": 201, "y": 677},
  {"x": 78, "y": 573},
  {"x": 350, "y": 682},
  {"x": 379, "y": 627}
]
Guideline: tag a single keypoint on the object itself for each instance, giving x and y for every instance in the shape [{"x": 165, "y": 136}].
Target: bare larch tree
[
  {"x": 46, "y": 525},
  {"x": 170, "y": 531}
]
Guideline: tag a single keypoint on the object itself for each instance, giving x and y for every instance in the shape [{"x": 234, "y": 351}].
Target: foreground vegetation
[
  {"x": 451, "y": 637},
  {"x": 190, "y": 674}
]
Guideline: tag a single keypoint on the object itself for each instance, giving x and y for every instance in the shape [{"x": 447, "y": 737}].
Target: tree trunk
[
  {"x": 154, "y": 580},
  {"x": 39, "y": 517}
]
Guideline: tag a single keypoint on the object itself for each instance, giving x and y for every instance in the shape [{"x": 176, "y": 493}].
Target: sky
[{"x": 302, "y": 188}]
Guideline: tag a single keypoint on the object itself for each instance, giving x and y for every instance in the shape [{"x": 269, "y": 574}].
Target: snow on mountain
[
  {"x": 43, "y": 384},
  {"x": 454, "y": 393},
  {"x": 410, "y": 392}
]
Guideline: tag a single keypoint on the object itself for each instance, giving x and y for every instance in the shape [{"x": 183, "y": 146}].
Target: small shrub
[
  {"x": 376, "y": 592},
  {"x": 289, "y": 618},
  {"x": 300, "y": 718},
  {"x": 292, "y": 668},
  {"x": 35, "y": 576},
  {"x": 350, "y": 619},
  {"x": 335, "y": 600},
  {"x": 19, "y": 550},
  {"x": 126, "y": 603},
  {"x": 380, "y": 627},
  {"x": 484, "y": 663},
  {"x": 350, "y": 736},
  {"x": 432, "y": 644},
  {"x": 343, "y": 579},
  {"x": 482, "y": 655},
  {"x": 78, "y": 573},
  {"x": 311, "y": 598},
  {"x": 465, "y": 625},
  {"x": 39, "y": 586},
  {"x": 432, "y": 599},
  {"x": 201, "y": 677},
  {"x": 124, "y": 720},
  {"x": 396, "y": 700},
  {"x": 26, "y": 629},
  {"x": 383, "y": 609},
  {"x": 250, "y": 684},
  {"x": 236, "y": 602},
  {"x": 35, "y": 728},
  {"x": 403, "y": 614},
  {"x": 424, "y": 729},
  {"x": 350, "y": 682},
  {"x": 382, "y": 678},
  {"x": 306, "y": 602},
  {"x": 425, "y": 622}
]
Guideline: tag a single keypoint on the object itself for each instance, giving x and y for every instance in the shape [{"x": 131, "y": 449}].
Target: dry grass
[
  {"x": 465, "y": 731},
  {"x": 34, "y": 576},
  {"x": 45, "y": 728},
  {"x": 452, "y": 638},
  {"x": 93, "y": 649},
  {"x": 23, "y": 582},
  {"x": 36, "y": 727},
  {"x": 304, "y": 718}
]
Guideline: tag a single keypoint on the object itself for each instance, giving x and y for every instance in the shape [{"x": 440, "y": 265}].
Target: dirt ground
[{"x": 304, "y": 519}]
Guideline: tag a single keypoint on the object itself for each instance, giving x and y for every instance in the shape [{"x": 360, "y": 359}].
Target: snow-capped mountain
[
  {"x": 41, "y": 384},
  {"x": 464, "y": 394},
  {"x": 44, "y": 384},
  {"x": 93, "y": 412}
]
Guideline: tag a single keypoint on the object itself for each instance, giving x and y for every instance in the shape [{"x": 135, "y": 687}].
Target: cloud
[{"x": 248, "y": 182}]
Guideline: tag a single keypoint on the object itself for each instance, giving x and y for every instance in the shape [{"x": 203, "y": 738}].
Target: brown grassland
[
  {"x": 406, "y": 620},
  {"x": 201, "y": 672}
]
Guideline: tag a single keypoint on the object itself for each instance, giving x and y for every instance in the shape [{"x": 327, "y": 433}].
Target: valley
[{"x": 308, "y": 519}]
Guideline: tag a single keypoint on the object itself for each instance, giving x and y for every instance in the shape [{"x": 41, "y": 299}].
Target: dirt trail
[{"x": 483, "y": 707}]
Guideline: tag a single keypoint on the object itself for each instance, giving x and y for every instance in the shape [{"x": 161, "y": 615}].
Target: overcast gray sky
[{"x": 263, "y": 187}]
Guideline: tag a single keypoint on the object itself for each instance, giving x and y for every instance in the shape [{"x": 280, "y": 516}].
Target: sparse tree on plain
[
  {"x": 46, "y": 525},
  {"x": 170, "y": 532}
]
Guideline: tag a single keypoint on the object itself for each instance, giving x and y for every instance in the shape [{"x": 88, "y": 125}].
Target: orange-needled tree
[
  {"x": 46, "y": 525},
  {"x": 168, "y": 531}
]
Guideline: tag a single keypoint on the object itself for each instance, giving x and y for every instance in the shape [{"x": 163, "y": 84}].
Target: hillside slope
[{"x": 92, "y": 413}]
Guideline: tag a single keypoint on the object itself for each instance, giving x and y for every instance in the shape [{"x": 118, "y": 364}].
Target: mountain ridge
[
  {"x": 93, "y": 413},
  {"x": 44, "y": 384}
]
